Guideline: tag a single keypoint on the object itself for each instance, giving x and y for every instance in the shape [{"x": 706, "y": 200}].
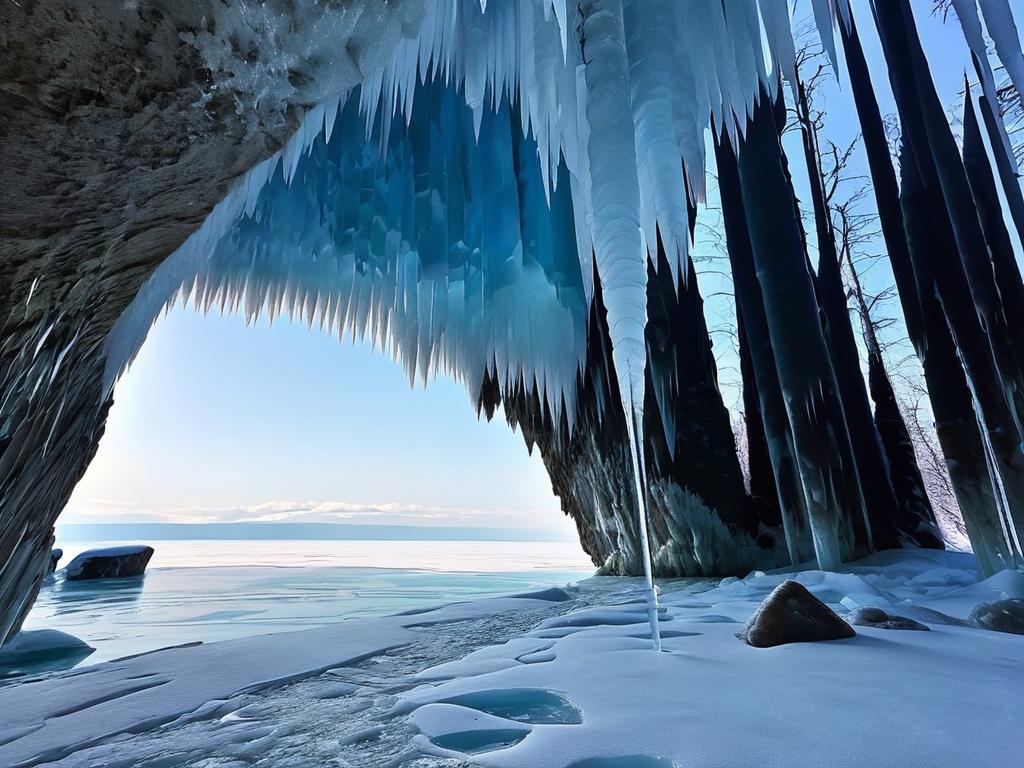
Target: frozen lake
[
  {"x": 216, "y": 590},
  {"x": 563, "y": 680}
]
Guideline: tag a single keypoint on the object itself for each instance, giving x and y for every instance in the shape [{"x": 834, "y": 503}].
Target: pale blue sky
[
  {"x": 219, "y": 421},
  {"x": 216, "y": 421}
]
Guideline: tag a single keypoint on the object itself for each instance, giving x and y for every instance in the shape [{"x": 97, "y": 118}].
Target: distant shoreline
[{"x": 294, "y": 532}]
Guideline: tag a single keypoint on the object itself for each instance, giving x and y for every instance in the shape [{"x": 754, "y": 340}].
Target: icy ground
[
  {"x": 534, "y": 683},
  {"x": 211, "y": 591}
]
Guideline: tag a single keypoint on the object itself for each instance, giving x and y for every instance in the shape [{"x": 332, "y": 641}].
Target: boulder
[
  {"x": 55, "y": 556},
  {"x": 110, "y": 563},
  {"x": 41, "y": 645},
  {"x": 791, "y": 614},
  {"x": 1001, "y": 616},
  {"x": 879, "y": 619}
]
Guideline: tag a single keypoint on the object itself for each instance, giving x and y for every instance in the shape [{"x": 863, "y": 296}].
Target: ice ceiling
[{"x": 456, "y": 205}]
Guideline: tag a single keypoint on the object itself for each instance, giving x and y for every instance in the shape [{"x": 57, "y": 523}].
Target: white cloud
[{"x": 319, "y": 511}]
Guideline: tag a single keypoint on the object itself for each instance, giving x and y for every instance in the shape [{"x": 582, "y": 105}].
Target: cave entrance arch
[
  {"x": 188, "y": 386},
  {"x": 223, "y": 421}
]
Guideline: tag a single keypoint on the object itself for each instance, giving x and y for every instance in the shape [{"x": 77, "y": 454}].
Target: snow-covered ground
[{"x": 549, "y": 683}]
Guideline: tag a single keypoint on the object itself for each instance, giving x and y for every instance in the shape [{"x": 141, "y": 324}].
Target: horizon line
[{"x": 241, "y": 530}]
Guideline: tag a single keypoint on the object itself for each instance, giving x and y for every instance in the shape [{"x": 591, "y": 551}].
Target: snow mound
[
  {"x": 710, "y": 700},
  {"x": 35, "y": 644}
]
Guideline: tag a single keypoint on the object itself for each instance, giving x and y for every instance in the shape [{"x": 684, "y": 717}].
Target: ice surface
[
  {"x": 480, "y": 740},
  {"x": 521, "y": 705},
  {"x": 179, "y": 605},
  {"x": 49, "y": 718}
]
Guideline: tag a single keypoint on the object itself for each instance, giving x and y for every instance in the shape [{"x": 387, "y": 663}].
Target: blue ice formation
[
  {"x": 457, "y": 205},
  {"x": 504, "y": 153}
]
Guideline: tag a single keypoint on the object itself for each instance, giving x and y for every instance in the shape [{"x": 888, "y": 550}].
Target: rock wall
[{"x": 112, "y": 153}]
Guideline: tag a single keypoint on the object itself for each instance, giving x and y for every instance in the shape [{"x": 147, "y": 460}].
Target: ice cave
[{"x": 506, "y": 192}]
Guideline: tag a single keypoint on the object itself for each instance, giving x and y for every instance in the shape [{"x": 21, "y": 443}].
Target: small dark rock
[
  {"x": 55, "y": 556},
  {"x": 1001, "y": 616},
  {"x": 112, "y": 563},
  {"x": 551, "y": 595},
  {"x": 791, "y": 614},
  {"x": 879, "y": 619}
]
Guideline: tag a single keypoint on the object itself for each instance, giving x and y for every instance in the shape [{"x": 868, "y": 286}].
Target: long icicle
[{"x": 634, "y": 426}]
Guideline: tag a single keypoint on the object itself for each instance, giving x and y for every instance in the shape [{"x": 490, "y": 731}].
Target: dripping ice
[{"x": 453, "y": 200}]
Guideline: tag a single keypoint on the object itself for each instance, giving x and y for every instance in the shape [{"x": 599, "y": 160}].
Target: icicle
[
  {"x": 650, "y": 30},
  {"x": 1003, "y": 30},
  {"x": 775, "y": 14},
  {"x": 561, "y": 15},
  {"x": 618, "y": 237},
  {"x": 478, "y": 181},
  {"x": 967, "y": 13},
  {"x": 823, "y": 18}
]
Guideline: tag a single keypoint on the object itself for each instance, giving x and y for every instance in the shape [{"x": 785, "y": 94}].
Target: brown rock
[
  {"x": 879, "y": 619},
  {"x": 791, "y": 614}
]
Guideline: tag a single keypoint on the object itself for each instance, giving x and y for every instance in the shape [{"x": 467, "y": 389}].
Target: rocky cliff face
[{"x": 113, "y": 151}]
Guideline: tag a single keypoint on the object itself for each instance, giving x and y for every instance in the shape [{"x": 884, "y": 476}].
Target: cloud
[{"x": 319, "y": 511}]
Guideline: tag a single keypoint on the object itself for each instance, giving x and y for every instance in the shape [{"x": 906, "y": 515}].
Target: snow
[
  {"x": 119, "y": 551},
  {"x": 882, "y": 698},
  {"x": 581, "y": 688}
]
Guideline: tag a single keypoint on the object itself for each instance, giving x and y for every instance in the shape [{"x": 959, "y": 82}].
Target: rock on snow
[
  {"x": 791, "y": 614},
  {"x": 109, "y": 563},
  {"x": 1002, "y": 616},
  {"x": 879, "y": 619}
]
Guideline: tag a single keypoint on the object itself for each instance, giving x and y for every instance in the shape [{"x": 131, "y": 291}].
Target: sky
[
  {"x": 220, "y": 422},
  {"x": 948, "y": 59}
]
